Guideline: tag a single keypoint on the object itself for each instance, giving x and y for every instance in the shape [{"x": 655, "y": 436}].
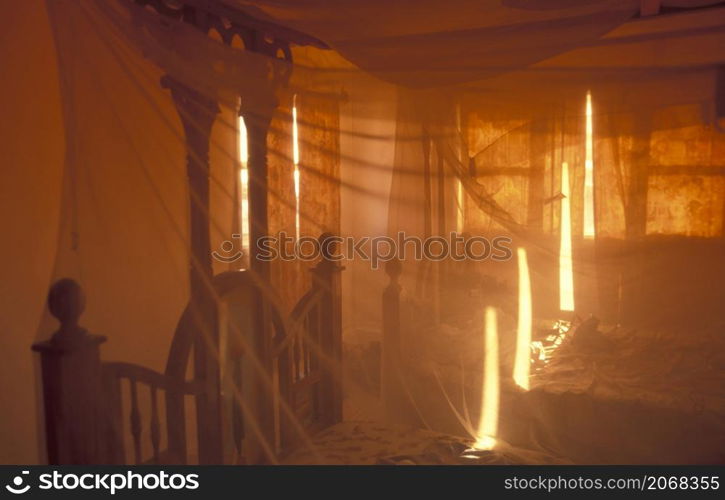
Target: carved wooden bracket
[{"x": 257, "y": 34}]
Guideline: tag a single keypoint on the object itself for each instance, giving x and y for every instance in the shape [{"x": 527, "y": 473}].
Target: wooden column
[
  {"x": 258, "y": 104},
  {"x": 257, "y": 108},
  {"x": 71, "y": 377},
  {"x": 391, "y": 366},
  {"x": 326, "y": 276},
  {"x": 197, "y": 113},
  {"x": 258, "y": 116}
]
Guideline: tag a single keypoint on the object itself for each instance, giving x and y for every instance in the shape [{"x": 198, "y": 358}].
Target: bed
[
  {"x": 607, "y": 394},
  {"x": 286, "y": 409}
]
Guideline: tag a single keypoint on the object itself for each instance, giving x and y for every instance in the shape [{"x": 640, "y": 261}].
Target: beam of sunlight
[
  {"x": 488, "y": 420},
  {"x": 522, "y": 363},
  {"x": 566, "y": 268},
  {"x": 460, "y": 198},
  {"x": 243, "y": 183},
  {"x": 589, "y": 230},
  {"x": 296, "y": 176},
  {"x": 295, "y": 133},
  {"x": 296, "y": 160}
]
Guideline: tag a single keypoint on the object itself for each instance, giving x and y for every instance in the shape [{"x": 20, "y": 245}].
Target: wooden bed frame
[
  {"x": 246, "y": 411},
  {"x": 260, "y": 380}
]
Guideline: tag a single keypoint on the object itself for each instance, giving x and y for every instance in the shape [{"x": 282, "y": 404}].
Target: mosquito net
[{"x": 424, "y": 117}]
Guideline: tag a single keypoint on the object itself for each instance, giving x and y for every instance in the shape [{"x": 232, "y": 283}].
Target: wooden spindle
[
  {"x": 197, "y": 113},
  {"x": 237, "y": 415},
  {"x": 313, "y": 330},
  {"x": 316, "y": 395},
  {"x": 296, "y": 358},
  {"x": 115, "y": 452},
  {"x": 287, "y": 394},
  {"x": 155, "y": 426},
  {"x": 307, "y": 348},
  {"x": 303, "y": 354},
  {"x": 304, "y": 334},
  {"x": 391, "y": 359},
  {"x": 135, "y": 420}
]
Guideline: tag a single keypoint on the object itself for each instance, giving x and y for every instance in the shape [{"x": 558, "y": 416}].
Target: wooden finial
[{"x": 66, "y": 302}]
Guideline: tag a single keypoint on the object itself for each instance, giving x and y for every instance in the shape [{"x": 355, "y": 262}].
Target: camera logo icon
[
  {"x": 227, "y": 254},
  {"x": 17, "y": 487}
]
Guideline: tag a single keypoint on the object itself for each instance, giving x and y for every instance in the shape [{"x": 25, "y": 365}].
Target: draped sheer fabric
[{"x": 486, "y": 93}]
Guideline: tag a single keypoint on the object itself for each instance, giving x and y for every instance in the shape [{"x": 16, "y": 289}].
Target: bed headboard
[
  {"x": 308, "y": 360},
  {"x": 291, "y": 388}
]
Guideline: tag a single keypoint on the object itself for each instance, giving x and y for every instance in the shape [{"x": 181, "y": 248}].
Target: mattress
[{"x": 679, "y": 370}]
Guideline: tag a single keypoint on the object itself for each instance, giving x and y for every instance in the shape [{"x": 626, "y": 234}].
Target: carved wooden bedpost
[
  {"x": 390, "y": 381},
  {"x": 326, "y": 276},
  {"x": 258, "y": 111},
  {"x": 197, "y": 113},
  {"x": 258, "y": 117},
  {"x": 71, "y": 376},
  {"x": 258, "y": 105}
]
